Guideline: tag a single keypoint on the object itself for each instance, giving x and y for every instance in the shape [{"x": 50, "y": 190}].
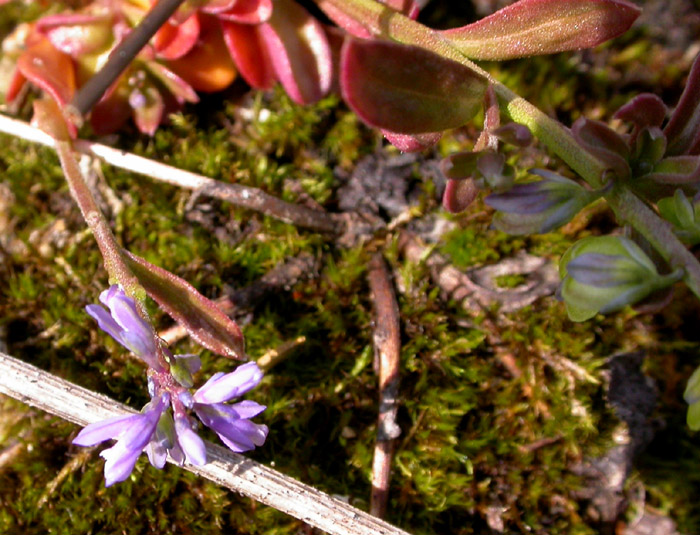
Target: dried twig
[
  {"x": 64, "y": 399},
  {"x": 387, "y": 350},
  {"x": 121, "y": 57},
  {"x": 236, "y": 194}
]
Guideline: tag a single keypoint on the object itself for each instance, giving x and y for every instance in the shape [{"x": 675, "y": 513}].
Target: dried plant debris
[{"x": 632, "y": 396}]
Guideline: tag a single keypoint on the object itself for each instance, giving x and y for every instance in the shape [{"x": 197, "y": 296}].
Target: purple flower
[
  {"x": 125, "y": 325},
  {"x": 232, "y": 422},
  {"x": 133, "y": 433}
]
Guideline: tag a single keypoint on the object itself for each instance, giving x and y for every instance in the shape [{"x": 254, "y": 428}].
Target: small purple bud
[{"x": 125, "y": 325}]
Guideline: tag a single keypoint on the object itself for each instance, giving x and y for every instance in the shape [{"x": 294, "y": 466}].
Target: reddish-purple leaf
[
  {"x": 77, "y": 33},
  {"x": 533, "y": 27},
  {"x": 406, "y": 89},
  {"x": 677, "y": 170},
  {"x": 459, "y": 194},
  {"x": 604, "y": 143},
  {"x": 112, "y": 110},
  {"x": 50, "y": 69},
  {"x": 246, "y": 11},
  {"x": 643, "y": 110},
  {"x": 203, "y": 320},
  {"x": 249, "y": 54},
  {"x": 683, "y": 129},
  {"x": 181, "y": 90},
  {"x": 412, "y": 143},
  {"x": 299, "y": 51},
  {"x": 148, "y": 106}
]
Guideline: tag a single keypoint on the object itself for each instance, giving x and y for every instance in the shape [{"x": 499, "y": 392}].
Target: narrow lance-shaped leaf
[
  {"x": 407, "y": 90},
  {"x": 534, "y": 27},
  {"x": 683, "y": 129},
  {"x": 203, "y": 320}
]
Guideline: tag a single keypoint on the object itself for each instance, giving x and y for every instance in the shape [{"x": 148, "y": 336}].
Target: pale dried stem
[
  {"x": 71, "y": 402},
  {"x": 238, "y": 195},
  {"x": 387, "y": 352}
]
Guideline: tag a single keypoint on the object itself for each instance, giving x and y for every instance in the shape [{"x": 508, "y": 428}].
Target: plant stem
[
  {"x": 631, "y": 210},
  {"x": 120, "y": 58},
  {"x": 237, "y": 194},
  {"x": 382, "y": 21}
]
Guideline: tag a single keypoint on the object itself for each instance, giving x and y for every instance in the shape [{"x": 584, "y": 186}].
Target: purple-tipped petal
[
  {"x": 157, "y": 453},
  {"x": 226, "y": 387},
  {"x": 125, "y": 325}
]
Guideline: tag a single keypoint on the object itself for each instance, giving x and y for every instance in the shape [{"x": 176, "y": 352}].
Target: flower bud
[
  {"x": 541, "y": 206},
  {"x": 604, "y": 274},
  {"x": 684, "y": 215}
]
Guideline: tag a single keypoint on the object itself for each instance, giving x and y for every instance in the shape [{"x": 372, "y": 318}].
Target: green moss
[{"x": 480, "y": 431}]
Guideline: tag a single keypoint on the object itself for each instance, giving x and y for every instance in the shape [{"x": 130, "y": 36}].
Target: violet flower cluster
[{"x": 165, "y": 425}]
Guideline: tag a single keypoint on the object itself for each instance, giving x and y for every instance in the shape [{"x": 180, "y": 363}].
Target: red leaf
[
  {"x": 50, "y": 69},
  {"x": 174, "y": 41},
  {"x": 249, "y": 53},
  {"x": 247, "y": 11},
  {"x": 407, "y": 90},
  {"x": 534, "y": 27},
  {"x": 77, "y": 33},
  {"x": 412, "y": 143},
  {"x": 203, "y": 320},
  {"x": 207, "y": 66},
  {"x": 299, "y": 51},
  {"x": 459, "y": 194}
]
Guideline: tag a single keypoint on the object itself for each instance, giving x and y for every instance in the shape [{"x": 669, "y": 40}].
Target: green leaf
[{"x": 406, "y": 89}]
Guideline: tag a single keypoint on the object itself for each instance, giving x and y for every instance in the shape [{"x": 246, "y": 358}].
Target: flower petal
[
  {"x": 100, "y": 431},
  {"x": 119, "y": 462},
  {"x": 191, "y": 443},
  {"x": 229, "y": 386}
]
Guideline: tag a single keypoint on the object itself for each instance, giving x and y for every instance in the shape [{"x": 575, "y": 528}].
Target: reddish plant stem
[{"x": 387, "y": 351}]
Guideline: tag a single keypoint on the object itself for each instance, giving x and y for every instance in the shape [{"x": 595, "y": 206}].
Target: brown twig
[
  {"x": 120, "y": 58},
  {"x": 236, "y": 194},
  {"x": 387, "y": 350},
  {"x": 241, "y": 301}
]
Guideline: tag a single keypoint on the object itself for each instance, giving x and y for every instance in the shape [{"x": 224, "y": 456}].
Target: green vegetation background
[{"x": 468, "y": 422}]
